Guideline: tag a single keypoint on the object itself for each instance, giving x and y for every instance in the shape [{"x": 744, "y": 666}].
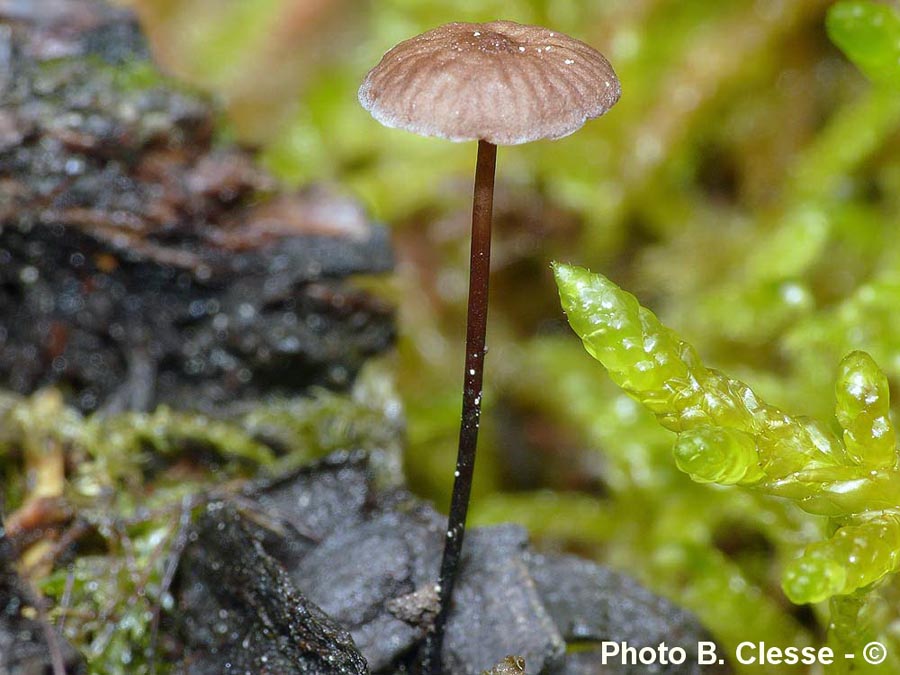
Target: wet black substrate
[
  {"x": 142, "y": 262},
  {"x": 326, "y": 540},
  {"x": 29, "y": 645}
]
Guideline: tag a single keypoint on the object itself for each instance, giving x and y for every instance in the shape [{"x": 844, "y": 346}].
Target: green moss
[
  {"x": 728, "y": 435},
  {"x": 548, "y": 514},
  {"x": 869, "y": 33},
  {"x": 139, "y": 477},
  {"x": 138, "y": 76}
]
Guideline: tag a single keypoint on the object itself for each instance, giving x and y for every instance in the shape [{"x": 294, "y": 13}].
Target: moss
[
  {"x": 728, "y": 435},
  {"x": 137, "y": 480}
]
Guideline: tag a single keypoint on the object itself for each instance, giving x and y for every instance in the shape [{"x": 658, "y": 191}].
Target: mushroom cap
[{"x": 501, "y": 82}]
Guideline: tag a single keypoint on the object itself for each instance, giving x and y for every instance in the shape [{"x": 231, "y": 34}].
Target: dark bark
[
  {"x": 242, "y": 614},
  {"x": 368, "y": 557},
  {"x": 141, "y": 262}
]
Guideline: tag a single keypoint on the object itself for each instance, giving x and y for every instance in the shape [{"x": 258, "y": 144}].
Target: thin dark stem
[{"x": 480, "y": 265}]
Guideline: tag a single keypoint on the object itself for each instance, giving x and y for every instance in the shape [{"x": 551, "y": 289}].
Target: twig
[
  {"x": 69, "y": 537},
  {"x": 53, "y": 646},
  {"x": 66, "y": 599},
  {"x": 179, "y": 542}
]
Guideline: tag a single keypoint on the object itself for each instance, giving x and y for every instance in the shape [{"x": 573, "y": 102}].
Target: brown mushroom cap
[{"x": 501, "y": 82}]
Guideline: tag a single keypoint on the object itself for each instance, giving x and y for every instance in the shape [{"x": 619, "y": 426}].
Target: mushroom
[{"x": 500, "y": 83}]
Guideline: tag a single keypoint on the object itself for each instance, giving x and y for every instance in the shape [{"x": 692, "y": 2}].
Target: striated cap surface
[{"x": 502, "y": 82}]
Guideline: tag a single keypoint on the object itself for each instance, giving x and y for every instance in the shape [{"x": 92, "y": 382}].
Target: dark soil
[{"x": 143, "y": 262}]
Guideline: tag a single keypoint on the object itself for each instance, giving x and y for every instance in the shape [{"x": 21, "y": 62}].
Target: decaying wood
[
  {"x": 142, "y": 261},
  {"x": 359, "y": 554}
]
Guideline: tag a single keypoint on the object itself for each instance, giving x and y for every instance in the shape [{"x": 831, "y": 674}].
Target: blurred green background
[{"x": 745, "y": 188}]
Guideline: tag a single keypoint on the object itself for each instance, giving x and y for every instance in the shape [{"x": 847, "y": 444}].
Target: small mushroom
[{"x": 500, "y": 83}]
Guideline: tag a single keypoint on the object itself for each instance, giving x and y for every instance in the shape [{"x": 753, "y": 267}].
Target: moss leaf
[{"x": 869, "y": 34}]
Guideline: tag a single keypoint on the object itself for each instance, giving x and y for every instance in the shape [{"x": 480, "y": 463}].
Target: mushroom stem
[{"x": 476, "y": 326}]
